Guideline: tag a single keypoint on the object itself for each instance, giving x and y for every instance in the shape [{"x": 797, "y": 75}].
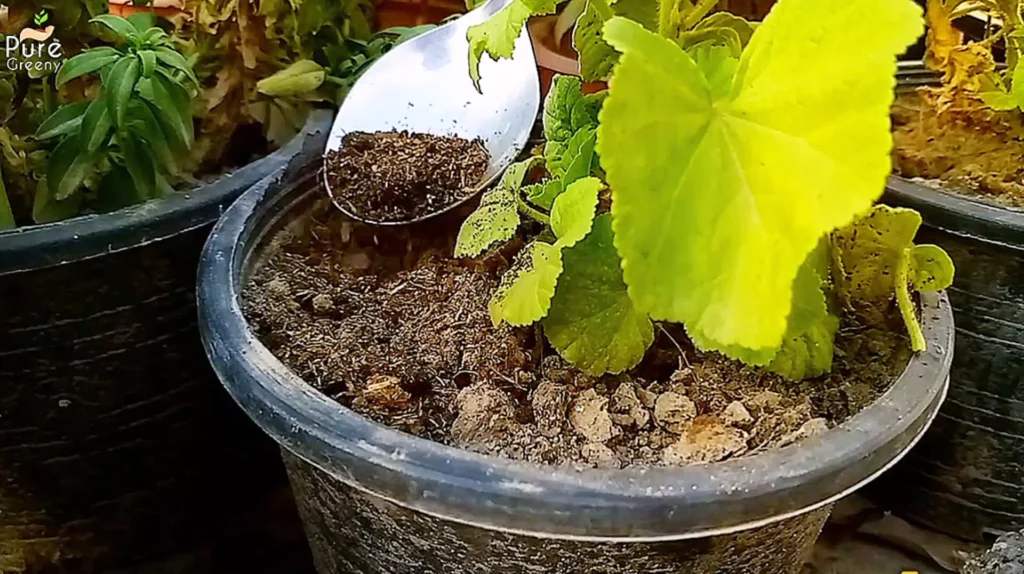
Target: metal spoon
[{"x": 423, "y": 86}]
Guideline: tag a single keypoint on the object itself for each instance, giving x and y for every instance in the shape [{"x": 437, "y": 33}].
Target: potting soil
[
  {"x": 400, "y": 176},
  {"x": 967, "y": 147},
  {"x": 390, "y": 325}
]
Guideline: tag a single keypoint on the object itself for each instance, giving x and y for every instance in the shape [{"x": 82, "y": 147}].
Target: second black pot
[
  {"x": 117, "y": 445},
  {"x": 964, "y": 479}
]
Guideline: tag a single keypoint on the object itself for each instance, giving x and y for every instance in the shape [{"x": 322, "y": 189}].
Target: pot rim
[
  {"x": 943, "y": 208},
  {"x": 87, "y": 236},
  {"x": 633, "y": 504}
]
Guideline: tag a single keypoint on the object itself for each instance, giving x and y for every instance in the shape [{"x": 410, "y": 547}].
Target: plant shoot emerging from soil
[{"x": 741, "y": 167}]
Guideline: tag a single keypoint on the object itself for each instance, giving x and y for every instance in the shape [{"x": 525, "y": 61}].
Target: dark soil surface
[
  {"x": 400, "y": 176},
  {"x": 388, "y": 324},
  {"x": 975, "y": 151}
]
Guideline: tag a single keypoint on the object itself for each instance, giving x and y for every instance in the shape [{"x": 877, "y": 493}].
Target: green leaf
[
  {"x": 525, "y": 292},
  {"x": 46, "y": 209},
  {"x": 744, "y": 29},
  {"x": 999, "y": 101},
  {"x": 87, "y": 62},
  {"x": 153, "y": 35},
  {"x": 718, "y": 201},
  {"x": 68, "y": 167},
  {"x": 66, "y": 120},
  {"x": 96, "y": 125},
  {"x": 544, "y": 194},
  {"x": 143, "y": 22},
  {"x": 96, "y": 7},
  {"x": 497, "y": 36},
  {"x": 117, "y": 191},
  {"x": 724, "y": 37},
  {"x": 931, "y": 268},
  {"x": 564, "y": 114},
  {"x": 123, "y": 28},
  {"x": 301, "y": 77},
  {"x": 6, "y": 215},
  {"x": 676, "y": 17},
  {"x": 573, "y": 212},
  {"x": 807, "y": 348},
  {"x": 147, "y": 59},
  {"x": 497, "y": 218},
  {"x": 576, "y": 158},
  {"x": 718, "y": 64},
  {"x": 139, "y": 164},
  {"x": 144, "y": 124},
  {"x": 870, "y": 249},
  {"x": 171, "y": 104},
  {"x": 596, "y": 57},
  {"x": 120, "y": 85},
  {"x": 178, "y": 62},
  {"x": 569, "y": 119},
  {"x": 592, "y": 321}
]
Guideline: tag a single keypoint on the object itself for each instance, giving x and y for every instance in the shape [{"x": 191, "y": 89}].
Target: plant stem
[{"x": 532, "y": 213}]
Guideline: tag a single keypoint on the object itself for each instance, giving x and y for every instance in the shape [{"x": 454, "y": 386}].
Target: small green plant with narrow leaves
[
  {"x": 741, "y": 187},
  {"x": 132, "y": 140},
  {"x": 40, "y": 19}
]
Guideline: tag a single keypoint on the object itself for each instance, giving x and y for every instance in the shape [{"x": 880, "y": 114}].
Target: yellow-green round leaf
[{"x": 719, "y": 196}]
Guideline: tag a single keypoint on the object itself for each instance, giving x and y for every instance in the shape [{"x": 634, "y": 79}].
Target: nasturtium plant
[
  {"x": 129, "y": 142},
  {"x": 742, "y": 168}
]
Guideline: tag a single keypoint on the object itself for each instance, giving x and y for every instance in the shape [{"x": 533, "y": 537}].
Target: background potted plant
[
  {"x": 118, "y": 446},
  {"x": 547, "y": 307},
  {"x": 555, "y": 39},
  {"x": 957, "y": 162}
]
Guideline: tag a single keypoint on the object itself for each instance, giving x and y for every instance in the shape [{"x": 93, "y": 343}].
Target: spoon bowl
[{"x": 423, "y": 86}]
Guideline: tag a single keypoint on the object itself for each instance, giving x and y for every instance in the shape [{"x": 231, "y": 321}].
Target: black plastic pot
[
  {"x": 965, "y": 478},
  {"x": 375, "y": 500},
  {"x": 116, "y": 442}
]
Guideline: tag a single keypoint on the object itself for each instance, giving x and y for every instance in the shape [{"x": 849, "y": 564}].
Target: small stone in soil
[
  {"x": 737, "y": 415},
  {"x": 550, "y": 401},
  {"x": 322, "y": 303},
  {"x": 708, "y": 440},
  {"x": 599, "y": 455},
  {"x": 590, "y": 417},
  {"x": 485, "y": 414},
  {"x": 810, "y": 428},
  {"x": 384, "y": 392},
  {"x": 673, "y": 411},
  {"x": 401, "y": 176},
  {"x": 765, "y": 402},
  {"x": 626, "y": 409}
]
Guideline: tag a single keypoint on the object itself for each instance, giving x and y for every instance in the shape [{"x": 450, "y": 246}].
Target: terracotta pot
[
  {"x": 390, "y": 13},
  {"x": 165, "y": 8},
  {"x": 555, "y": 58}
]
